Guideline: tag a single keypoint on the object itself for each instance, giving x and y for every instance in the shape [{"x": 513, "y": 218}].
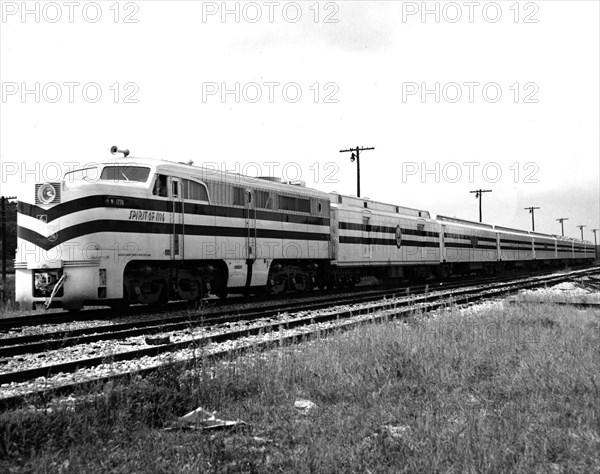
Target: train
[{"x": 127, "y": 231}]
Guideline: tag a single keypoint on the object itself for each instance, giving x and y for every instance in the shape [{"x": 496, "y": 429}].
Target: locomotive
[{"x": 148, "y": 231}]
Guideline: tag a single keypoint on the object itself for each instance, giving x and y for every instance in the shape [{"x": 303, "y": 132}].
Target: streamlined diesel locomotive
[{"x": 147, "y": 231}]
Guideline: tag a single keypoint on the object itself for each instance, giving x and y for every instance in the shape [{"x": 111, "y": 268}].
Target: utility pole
[
  {"x": 595, "y": 243},
  {"x": 3, "y": 219},
  {"x": 581, "y": 229},
  {"x": 532, "y": 212},
  {"x": 562, "y": 226},
  {"x": 356, "y": 156},
  {"x": 479, "y": 194}
]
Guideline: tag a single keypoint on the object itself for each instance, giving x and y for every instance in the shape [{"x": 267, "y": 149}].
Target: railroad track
[
  {"x": 284, "y": 330},
  {"x": 218, "y": 305},
  {"x": 49, "y": 318},
  {"x": 60, "y": 317},
  {"x": 52, "y": 340}
]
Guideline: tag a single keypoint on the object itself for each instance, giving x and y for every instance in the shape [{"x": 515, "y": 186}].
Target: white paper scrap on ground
[
  {"x": 397, "y": 431},
  {"x": 203, "y": 419},
  {"x": 303, "y": 406}
]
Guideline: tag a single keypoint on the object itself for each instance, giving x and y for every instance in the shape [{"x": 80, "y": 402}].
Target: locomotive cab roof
[{"x": 140, "y": 172}]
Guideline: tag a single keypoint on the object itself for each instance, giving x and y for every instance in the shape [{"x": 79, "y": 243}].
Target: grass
[
  {"x": 495, "y": 391},
  {"x": 574, "y": 295}
]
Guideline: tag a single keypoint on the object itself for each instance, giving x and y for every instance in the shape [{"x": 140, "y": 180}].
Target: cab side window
[
  {"x": 194, "y": 191},
  {"x": 160, "y": 186}
]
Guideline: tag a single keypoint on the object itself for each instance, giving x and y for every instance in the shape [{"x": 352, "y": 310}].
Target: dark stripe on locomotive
[
  {"x": 450, "y": 235},
  {"x": 385, "y": 230},
  {"x": 459, "y": 245},
  {"x": 345, "y": 239},
  {"x": 138, "y": 227},
  {"x": 92, "y": 202}
]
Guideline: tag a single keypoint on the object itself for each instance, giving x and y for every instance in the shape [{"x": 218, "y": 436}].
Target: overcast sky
[{"x": 454, "y": 96}]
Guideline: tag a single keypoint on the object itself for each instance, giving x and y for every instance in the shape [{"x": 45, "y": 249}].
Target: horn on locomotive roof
[{"x": 114, "y": 150}]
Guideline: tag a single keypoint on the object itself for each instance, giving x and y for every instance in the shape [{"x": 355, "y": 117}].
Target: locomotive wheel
[
  {"x": 201, "y": 293},
  {"x": 301, "y": 282},
  {"x": 163, "y": 299},
  {"x": 279, "y": 287}
]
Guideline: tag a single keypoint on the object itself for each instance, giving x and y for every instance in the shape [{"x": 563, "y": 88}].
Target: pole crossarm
[
  {"x": 478, "y": 195},
  {"x": 356, "y": 156},
  {"x": 532, "y": 212},
  {"x": 562, "y": 225}
]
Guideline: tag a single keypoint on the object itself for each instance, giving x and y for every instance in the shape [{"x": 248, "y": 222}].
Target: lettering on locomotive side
[{"x": 151, "y": 216}]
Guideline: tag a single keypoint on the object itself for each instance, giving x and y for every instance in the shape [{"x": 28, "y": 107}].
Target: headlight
[{"x": 46, "y": 193}]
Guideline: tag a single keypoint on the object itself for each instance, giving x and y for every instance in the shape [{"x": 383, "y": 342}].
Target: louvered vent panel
[{"x": 56, "y": 199}]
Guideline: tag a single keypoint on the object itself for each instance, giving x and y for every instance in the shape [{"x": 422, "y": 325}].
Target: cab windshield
[
  {"x": 125, "y": 173},
  {"x": 90, "y": 174},
  {"x": 116, "y": 173}
]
